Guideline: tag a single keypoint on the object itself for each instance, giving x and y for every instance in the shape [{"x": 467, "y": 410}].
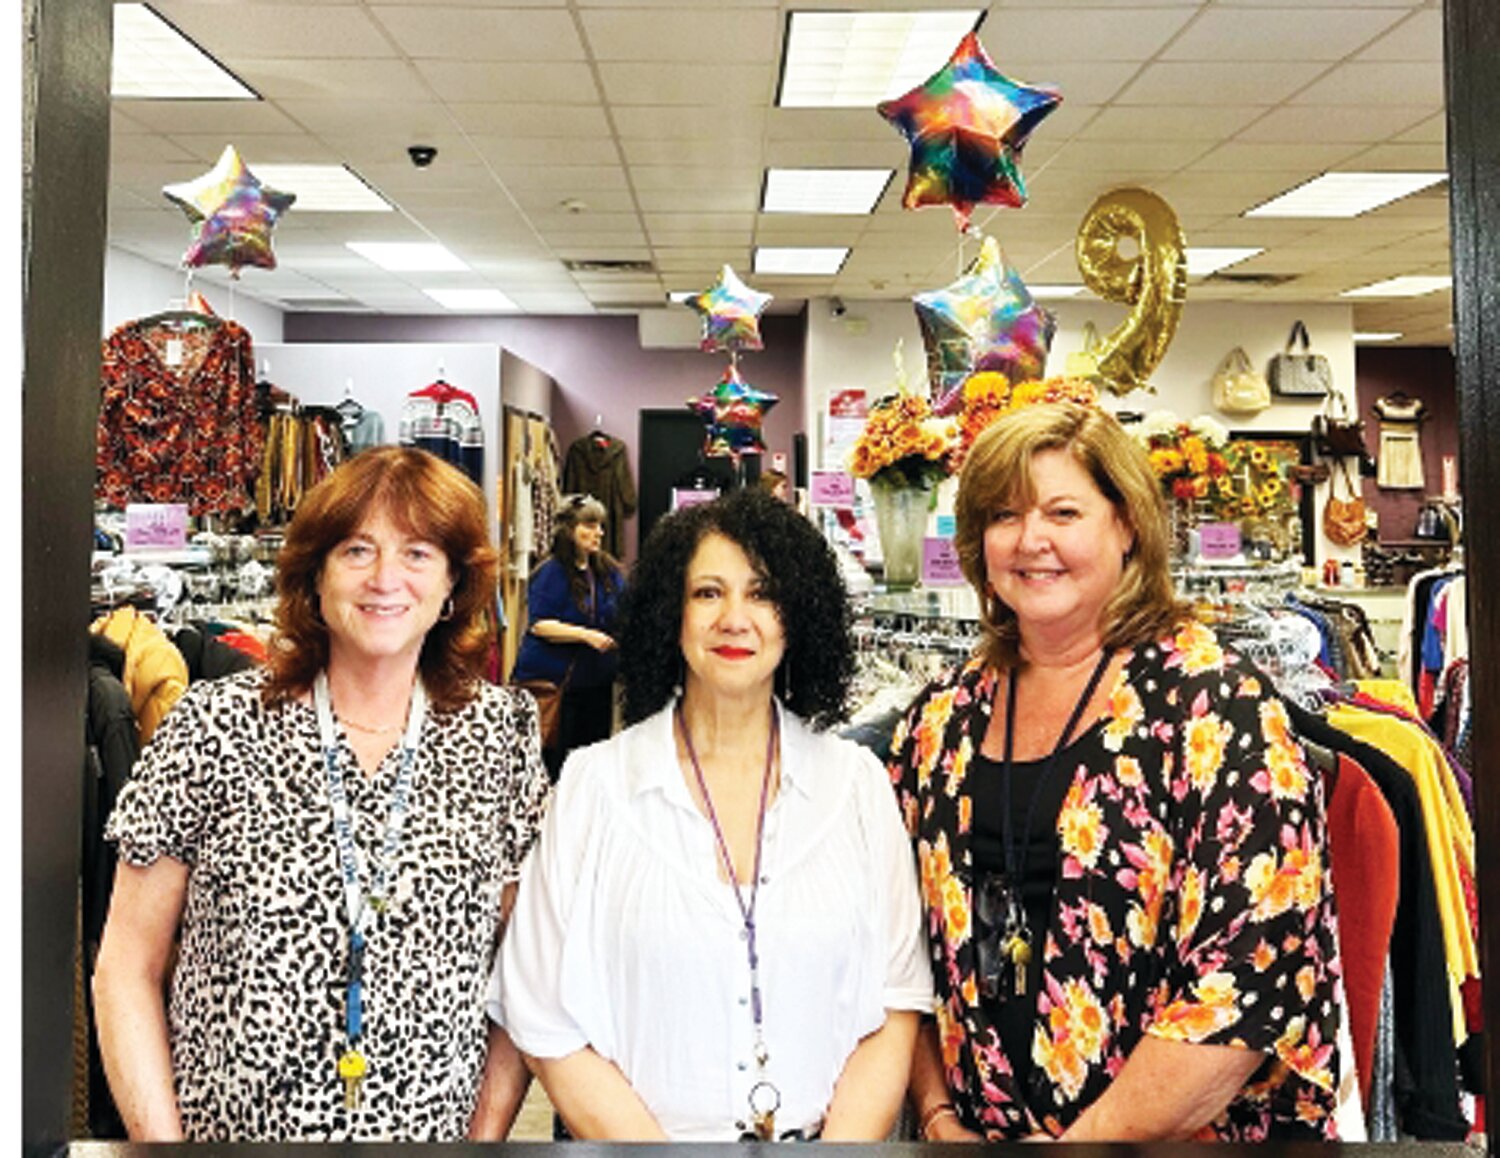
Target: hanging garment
[
  {"x": 597, "y": 465},
  {"x": 362, "y": 427},
  {"x": 445, "y": 420},
  {"x": 177, "y": 417},
  {"x": 1400, "y": 443},
  {"x": 545, "y": 494},
  {"x": 155, "y": 673}
]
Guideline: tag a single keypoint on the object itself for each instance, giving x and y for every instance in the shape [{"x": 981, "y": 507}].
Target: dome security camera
[
  {"x": 837, "y": 307},
  {"x": 422, "y": 155}
]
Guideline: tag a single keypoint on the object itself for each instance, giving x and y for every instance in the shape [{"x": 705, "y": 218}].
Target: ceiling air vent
[
  {"x": 1266, "y": 279},
  {"x": 324, "y": 305},
  {"x": 608, "y": 265}
]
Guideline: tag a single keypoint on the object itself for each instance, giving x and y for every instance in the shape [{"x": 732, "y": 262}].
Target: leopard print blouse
[{"x": 237, "y": 792}]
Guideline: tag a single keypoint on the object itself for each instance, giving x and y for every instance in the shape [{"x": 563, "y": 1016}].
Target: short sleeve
[
  {"x": 529, "y": 788},
  {"x": 908, "y": 974},
  {"x": 526, "y": 985},
  {"x": 1249, "y": 921},
  {"x": 163, "y": 810}
]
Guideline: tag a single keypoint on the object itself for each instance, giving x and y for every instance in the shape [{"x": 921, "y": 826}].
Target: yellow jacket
[{"x": 156, "y": 675}]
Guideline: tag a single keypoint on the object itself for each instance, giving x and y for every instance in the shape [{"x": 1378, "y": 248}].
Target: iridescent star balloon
[
  {"x": 235, "y": 215},
  {"x": 732, "y": 412},
  {"x": 731, "y": 314},
  {"x": 967, "y": 125},
  {"x": 986, "y": 320}
]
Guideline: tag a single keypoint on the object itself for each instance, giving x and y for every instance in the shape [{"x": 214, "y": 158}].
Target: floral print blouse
[
  {"x": 177, "y": 419},
  {"x": 1193, "y": 901}
]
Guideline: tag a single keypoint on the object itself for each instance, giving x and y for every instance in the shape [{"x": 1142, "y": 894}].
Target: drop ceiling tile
[
  {"x": 1173, "y": 82},
  {"x": 1240, "y": 156},
  {"x": 1081, "y": 82},
  {"x": 1167, "y": 123},
  {"x": 261, "y": 148},
  {"x": 397, "y": 178},
  {"x": 1244, "y": 35},
  {"x": 557, "y": 122},
  {"x": 551, "y": 303},
  {"x": 708, "y": 222},
  {"x": 688, "y": 178},
  {"x": 305, "y": 79},
  {"x": 1017, "y": 36},
  {"x": 1434, "y": 128},
  {"x": 726, "y": 241},
  {"x": 1417, "y": 38},
  {"x": 1130, "y": 159},
  {"x": 850, "y": 125},
  {"x": 719, "y": 85},
  {"x": 483, "y": 33},
  {"x": 122, "y": 124},
  {"x": 362, "y": 149},
  {"x": 562, "y": 181},
  {"x": 405, "y": 121},
  {"x": 682, "y": 35},
  {"x": 556, "y": 82},
  {"x": 774, "y": 229},
  {"x": 625, "y": 242},
  {"x": 728, "y": 199},
  {"x": 148, "y": 147},
  {"x": 827, "y": 154},
  {"x": 1403, "y": 158},
  {"x": 257, "y": 30},
  {"x": 503, "y": 152},
  {"x": 594, "y": 201},
  {"x": 1395, "y": 83},
  {"x": 1299, "y": 124},
  {"x": 227, "y": 118}
]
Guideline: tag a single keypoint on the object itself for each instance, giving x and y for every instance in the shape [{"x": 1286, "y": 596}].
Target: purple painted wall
[
  {"x": 599, "y": 367},
  {"x": 1424, "y": 372}
]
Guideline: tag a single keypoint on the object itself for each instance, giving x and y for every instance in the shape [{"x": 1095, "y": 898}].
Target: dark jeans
[{"x": 586, "y": 716}]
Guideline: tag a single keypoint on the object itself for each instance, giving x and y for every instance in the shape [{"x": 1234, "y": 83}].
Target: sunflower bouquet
[
  {"x": 1256, "y": 486},
  {"x": 903, "y": 443},
  {"x": 987, "y": 395},
  {"x": 1189, "y": 457}
]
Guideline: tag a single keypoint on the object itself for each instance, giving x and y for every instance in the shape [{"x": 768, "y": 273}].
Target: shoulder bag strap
[{"x": 1298, "y": 331}]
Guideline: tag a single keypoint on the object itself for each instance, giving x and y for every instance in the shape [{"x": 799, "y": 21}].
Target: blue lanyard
[{"x": 358, "y": 906}]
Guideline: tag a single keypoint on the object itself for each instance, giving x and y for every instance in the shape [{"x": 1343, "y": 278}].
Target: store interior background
[
  {"x": 662, "y": 119},
  {"x": 603, "y": 132}
]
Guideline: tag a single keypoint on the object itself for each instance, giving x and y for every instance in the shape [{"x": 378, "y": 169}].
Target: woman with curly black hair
[{"x": 719, "y": 935}]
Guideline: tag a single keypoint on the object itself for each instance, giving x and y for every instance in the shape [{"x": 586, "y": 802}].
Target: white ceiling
[{"x": 659, "y": 117}]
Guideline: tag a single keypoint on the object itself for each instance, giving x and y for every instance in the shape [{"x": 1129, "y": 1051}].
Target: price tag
[
  {"x": 155, "y": 526},
  {"x": 940, "y": 567},
  {"x": 1219, "y": 540},
  {"x": 691, "y": 497},
  {"x": 174, "y": 352},
  {"x": 830, "y": 488},
  {"x": 947, "y": 526}
]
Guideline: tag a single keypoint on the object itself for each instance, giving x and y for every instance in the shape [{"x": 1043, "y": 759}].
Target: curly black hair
[{"x": 803, "y": 581}]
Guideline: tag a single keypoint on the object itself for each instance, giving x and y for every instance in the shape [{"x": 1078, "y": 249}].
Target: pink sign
[
  {"x": 685, "y": 497},
  {"x": 847, "y": 404},
  {"x": 155, "y": 525},
  {"x": 940, "y": 567},
  {"x": 1219, "y": 540},
  {"x": 830, "y": 488}
]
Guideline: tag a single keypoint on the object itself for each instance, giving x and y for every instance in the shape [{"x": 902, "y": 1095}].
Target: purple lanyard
[{"x": 763, "y": 1090}]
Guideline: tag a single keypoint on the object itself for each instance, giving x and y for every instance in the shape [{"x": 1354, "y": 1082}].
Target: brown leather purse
[{"x": 1344, "y": 519}]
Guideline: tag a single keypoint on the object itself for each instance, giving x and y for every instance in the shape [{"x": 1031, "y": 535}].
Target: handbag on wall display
[
  {"x": 1336, "y": 432},
  {"x": 1300, "y": 374},
  {"x": 1344, "y": 519},
  {"x": 1084, "y": 363},
  {"x": 1237, "y": 388}
]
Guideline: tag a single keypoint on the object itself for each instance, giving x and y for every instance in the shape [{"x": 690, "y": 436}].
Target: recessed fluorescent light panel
[
  {"x": 1046, "y": 292},
  {"x": 1345, "y": 194},
  {"x": 407, "y": 256},
  {"x": 682, "y": 297},
  {"x": 856, "y": 59},
  {"x": 1208, "y": 259},
  {"x": 1369, "y": 337},
  {"x": 800, "y": 259},
  {"x": 470, "y": 299},
  {"x": 848, "y": 191},
  {"x": 322, "y": 188},
  {"x": 1400, "y": 287},
  {"x": 153, "y": 61}
]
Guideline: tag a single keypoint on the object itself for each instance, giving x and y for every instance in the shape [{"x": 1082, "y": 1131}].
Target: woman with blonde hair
[{"x": 1121, "y": 848}]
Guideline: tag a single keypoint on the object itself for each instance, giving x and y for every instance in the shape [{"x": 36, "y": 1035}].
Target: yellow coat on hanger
[{"x": 155, "y": 674}]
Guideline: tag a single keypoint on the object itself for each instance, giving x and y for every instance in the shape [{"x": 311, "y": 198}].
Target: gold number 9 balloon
[{"x": 1152, "y": 281}]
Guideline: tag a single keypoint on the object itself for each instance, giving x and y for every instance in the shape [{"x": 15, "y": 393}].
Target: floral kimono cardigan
[{"x": 1193, "y": 901}]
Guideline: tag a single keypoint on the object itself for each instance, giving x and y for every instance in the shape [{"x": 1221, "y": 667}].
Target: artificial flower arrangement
[
  {"x": 987, "y": 395},
  {"x": 1188, "y": 456},
  {"x": 1256, "y": 486},
  {"x": 903, "y": 443}
]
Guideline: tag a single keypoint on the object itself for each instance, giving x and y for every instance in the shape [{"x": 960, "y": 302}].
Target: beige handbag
[
  {"x": 1084, "y": 363},
  {"x": 1237, "y": 388}
]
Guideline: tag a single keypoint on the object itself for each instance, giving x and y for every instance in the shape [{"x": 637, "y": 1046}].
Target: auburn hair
[{"x": 425, "y": 497}]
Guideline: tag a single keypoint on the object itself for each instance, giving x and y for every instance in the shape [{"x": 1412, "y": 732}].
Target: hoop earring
[{"x": 447, "y": 611}]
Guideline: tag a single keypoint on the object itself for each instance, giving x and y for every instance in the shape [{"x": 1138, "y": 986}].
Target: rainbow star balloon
[
  {"x": 731, "y": 314},
  {"x": 235, "y": 215},
  {"x": 967, "y": 124},
  {"x": 986, "y": 320},
  {"x": 733, "y": 412}
]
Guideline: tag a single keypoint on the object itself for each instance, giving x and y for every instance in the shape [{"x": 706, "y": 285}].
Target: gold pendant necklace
[{"x": 369, "y": 731}]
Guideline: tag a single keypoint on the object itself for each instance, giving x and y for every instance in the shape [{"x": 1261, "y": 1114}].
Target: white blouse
[{"x": 626, "y": 938}]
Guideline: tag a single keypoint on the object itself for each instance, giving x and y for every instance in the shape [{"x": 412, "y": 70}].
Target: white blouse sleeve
[
  {"x": 908, "y": 973},
  {"x": 526, "y": 993}
]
